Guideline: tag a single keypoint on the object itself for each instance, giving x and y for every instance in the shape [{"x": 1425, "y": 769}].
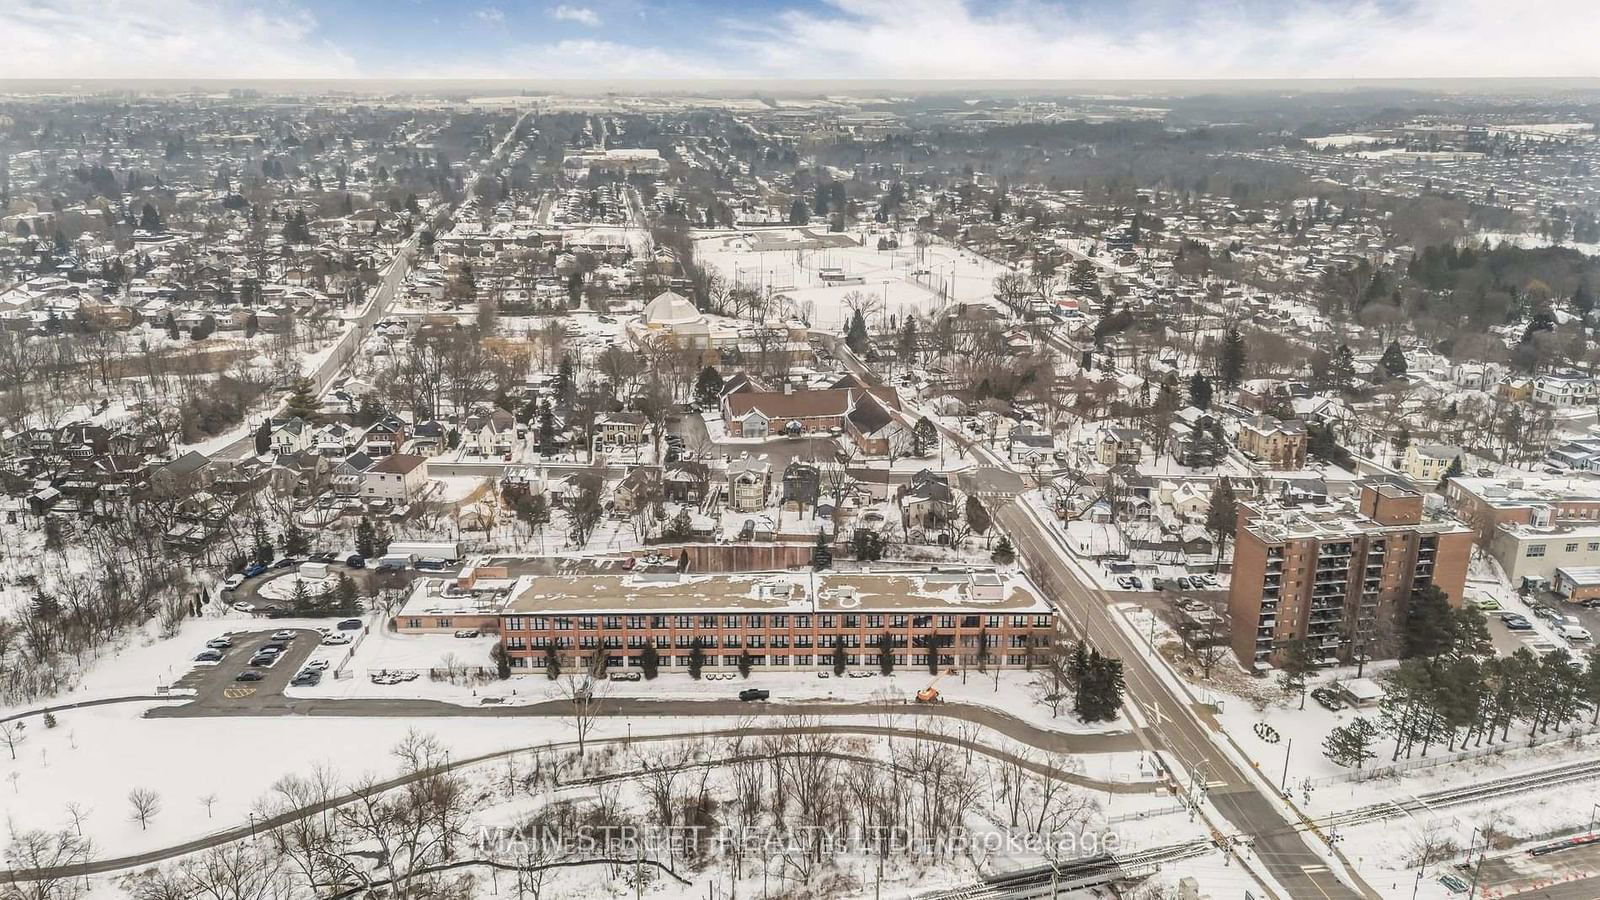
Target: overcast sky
[{"x": 962, "y": 39}]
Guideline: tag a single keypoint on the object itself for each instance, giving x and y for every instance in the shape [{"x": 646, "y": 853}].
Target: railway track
[{"x": 1488, "y": 790}]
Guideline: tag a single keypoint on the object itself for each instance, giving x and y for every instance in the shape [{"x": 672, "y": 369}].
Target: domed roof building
[
  {"x": 671, "y": 310},
  {"x": 672, "y": 317}
]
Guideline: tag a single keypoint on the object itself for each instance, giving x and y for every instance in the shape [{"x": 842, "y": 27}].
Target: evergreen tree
[
  {"x": 1098, "y": 688},
  {"x": 264, "y": 437},
  {"x": 650, "y": 661},
  {"x": 977, "y": 516},
  {"x": 839, "y": 661},
  {"x": 885, "y": 654},
  {"x": 855, "y": 336},
  {"x": 1343, "y": 371},
  {"x": 798, "y": 213},
  {"x": 1222, "y": 517},
  {"x": 1199, "y": 391},
  {"x": 924, "y": 437},
  {"x": 547, "y": 428},
  {"x": 1451, "y": 471},
  {"x": 708, "y": 388},
  {"x": 502, "y": 661},
  {"x": 263, "y": 543},
  {"x": 1351, "y": 744},
  {"x": 295, "y": 542},
  {"x": 552, "y": 662},
  {"x": 49, "y": 719},
  {"x": 172, "y": 327},
  {"x": 822, "y": 553},
  {"x": 867, "y": 545},
  {"x": 745, "y": 661},
  {"x": 1231, "y": 358},
  {"x": 150, "y": 218},
  {"x": 1004, "y": 553},
  {"x": 1394, "y": 360},
  {"x": 697, "y": 658},
  {"x": 346, "y": 598},
  {"x": 366, "y": 539}
]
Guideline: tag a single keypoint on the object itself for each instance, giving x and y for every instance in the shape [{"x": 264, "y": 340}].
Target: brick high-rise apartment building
[
  {"x": 784, "y": 620},
  {"x": 1339, "y": 574}
]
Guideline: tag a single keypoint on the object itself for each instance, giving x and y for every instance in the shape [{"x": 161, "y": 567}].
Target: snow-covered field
[{"x": 892, "y": 276}]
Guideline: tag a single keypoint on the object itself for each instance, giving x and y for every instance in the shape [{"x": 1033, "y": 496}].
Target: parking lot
[{"x": 216, "y": 682}]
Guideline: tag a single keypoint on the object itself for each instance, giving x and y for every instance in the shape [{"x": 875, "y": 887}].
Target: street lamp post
[{"x": 1284, "y": 785}]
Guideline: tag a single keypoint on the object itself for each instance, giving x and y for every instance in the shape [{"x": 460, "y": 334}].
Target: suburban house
[
  {"x": 875, "y": 429},
  {"x": 927, "y": 502},
  {"x": 336, "y": 439},
  {"x": 349, "y": 474},
  {"x": 748, "y": 483},
  {"x": 291, "y": 436},
  {"x": 1277, "y": 443},
  {"x": 622, "y": 428},
  {"x": 685, "y": 481},
  {"x": 1119, "y": 447},
  {"x": 386, "y": 436},
  {"x": 1427, "y": 463},
  {"x": 399, "y": 477},
  {"x": 637, "y": 490},
  {"x": 750, "y": 413}
]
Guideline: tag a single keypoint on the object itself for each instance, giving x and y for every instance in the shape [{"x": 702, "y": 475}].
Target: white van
[{"x": 1575, "y": 634}]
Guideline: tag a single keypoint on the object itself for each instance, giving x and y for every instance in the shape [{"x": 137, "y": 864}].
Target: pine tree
[
  {"x": 855, "y": 336},
  {"x": 650, "y": 661},
  {"x": 1230, "y": 363},
  {"x": 264, "y": 437},
  {"x": 150, "y": 218},
  {"x": 49, "y": 720},
  {"x": 1343, "y": 371},
  {"x": 822, "y": 553},
  {"x": 924, "y": 436},
  {"x": 885, "y": 654},
  {"x": 1351, "y": 745},
  {"x": 1199, "y": 391},
  {"x": 1394, "y": 360},
  {"x": 366, "y": 539},
  {"x": 1222, "y": 517},
  {"x": 977, "y": 515},
  {"x": 1004, "y": 553},
  {"x": 1452, "y": 471},
  {"x": 347, "y": 599},
  {"x": 172, "y": 327},
  {"x": 697, "y": 659},
  {"x": 708, "y": 388},
  {"x": 839, "y": 661},
  {"x": 745, "y": 661},
  {"x": 552, "y": 662},
  {"x": 502, "y": 661}
]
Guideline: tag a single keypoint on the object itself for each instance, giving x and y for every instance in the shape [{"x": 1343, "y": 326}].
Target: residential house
[
  {"x": 927, "y": 502},
  {"x": 637, "y": 490},
  {"x": 1119, "y": 447},
  {"x": 802, "y": 484},
  {"x": 336, "y": 439},
  {"x": 1277, "y": 443},
  {"x": 350, "y": 474},
  {"x": 291, "y": 436},
  {"x": 386, "y": 436},
  {"x": 749, "y": 480},
  {"x": 875, "y": 429},
  {"x": 1426, "y": 464},
  {"x": 685, "y": 481},
  {"x": 621, "y": 428},
  {"x": 400, "y": 477}
]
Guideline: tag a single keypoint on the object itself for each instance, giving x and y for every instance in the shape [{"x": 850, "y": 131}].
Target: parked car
[
  {"x": 1575, "y": 634},
  {"x": 248, "y": 675},
  {"x": 1545, "y": 612},
  {"x": 1514, "y": 622},
  {"x": 466, "y": 632},
  {"x": 254, "y": 569},
  {"x": 283, "y": 635},
  {"x": 263, "y": 659},
  {"x": 1486, "y": 603},
  {"x": 284, "y": 563},
  {"x": 329, "y": 557},
  {"x": 1158, "y": 584},
  {"x": 307, "y": 678},
  {"x": 1138, "y": 584},
  {"x": 244, "y": 607},
  {"x": 1327, "y": 699},
  {"x": 273, "y": 647},
  {"x": 232, "y": 582},
  {"x": 754, "y": 694},
  {"x": 209, "y": 656},
  {"x": 335, "y": 639},
  {"x": 220, "y": 643},
  {"x": 625, "y": 676},
  {"x": 356, "y": 561},
  {"x": 317, "y": 664},
  {"x": 350, "y": 625}
]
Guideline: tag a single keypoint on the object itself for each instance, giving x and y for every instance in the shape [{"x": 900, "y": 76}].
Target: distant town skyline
[{"x": 676, "y": 39}]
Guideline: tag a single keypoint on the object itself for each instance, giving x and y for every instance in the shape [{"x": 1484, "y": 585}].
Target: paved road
[
  {"x": 1571, "y": 873},
  {"x": 1174, "y": 728}
]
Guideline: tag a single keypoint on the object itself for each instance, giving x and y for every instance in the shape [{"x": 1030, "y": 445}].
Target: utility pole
[{"x": 1284, "y": 785}]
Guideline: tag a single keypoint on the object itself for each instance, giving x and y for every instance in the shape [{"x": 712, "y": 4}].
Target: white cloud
[
  {"x": 490, "y": 15},
  {"x": 1144, "y": 39},
  {"x": 582, "y": 15},
  {"x": 163, "y": 39}
]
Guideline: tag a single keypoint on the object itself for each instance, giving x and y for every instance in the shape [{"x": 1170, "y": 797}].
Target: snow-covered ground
[{"x": 892, "y": 276}]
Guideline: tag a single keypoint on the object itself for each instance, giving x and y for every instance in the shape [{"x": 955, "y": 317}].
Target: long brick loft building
[
  {"x": 785, "y": 620},
  {"x": 1339, "y": 574}
]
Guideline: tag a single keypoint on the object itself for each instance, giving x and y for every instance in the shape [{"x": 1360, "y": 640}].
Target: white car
[
  {"x": 333, "y": 639},
  {"x": 317, "y": 664},
  {"x": 244, "y": 607},
  {"x": 232, "y": 582}
]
